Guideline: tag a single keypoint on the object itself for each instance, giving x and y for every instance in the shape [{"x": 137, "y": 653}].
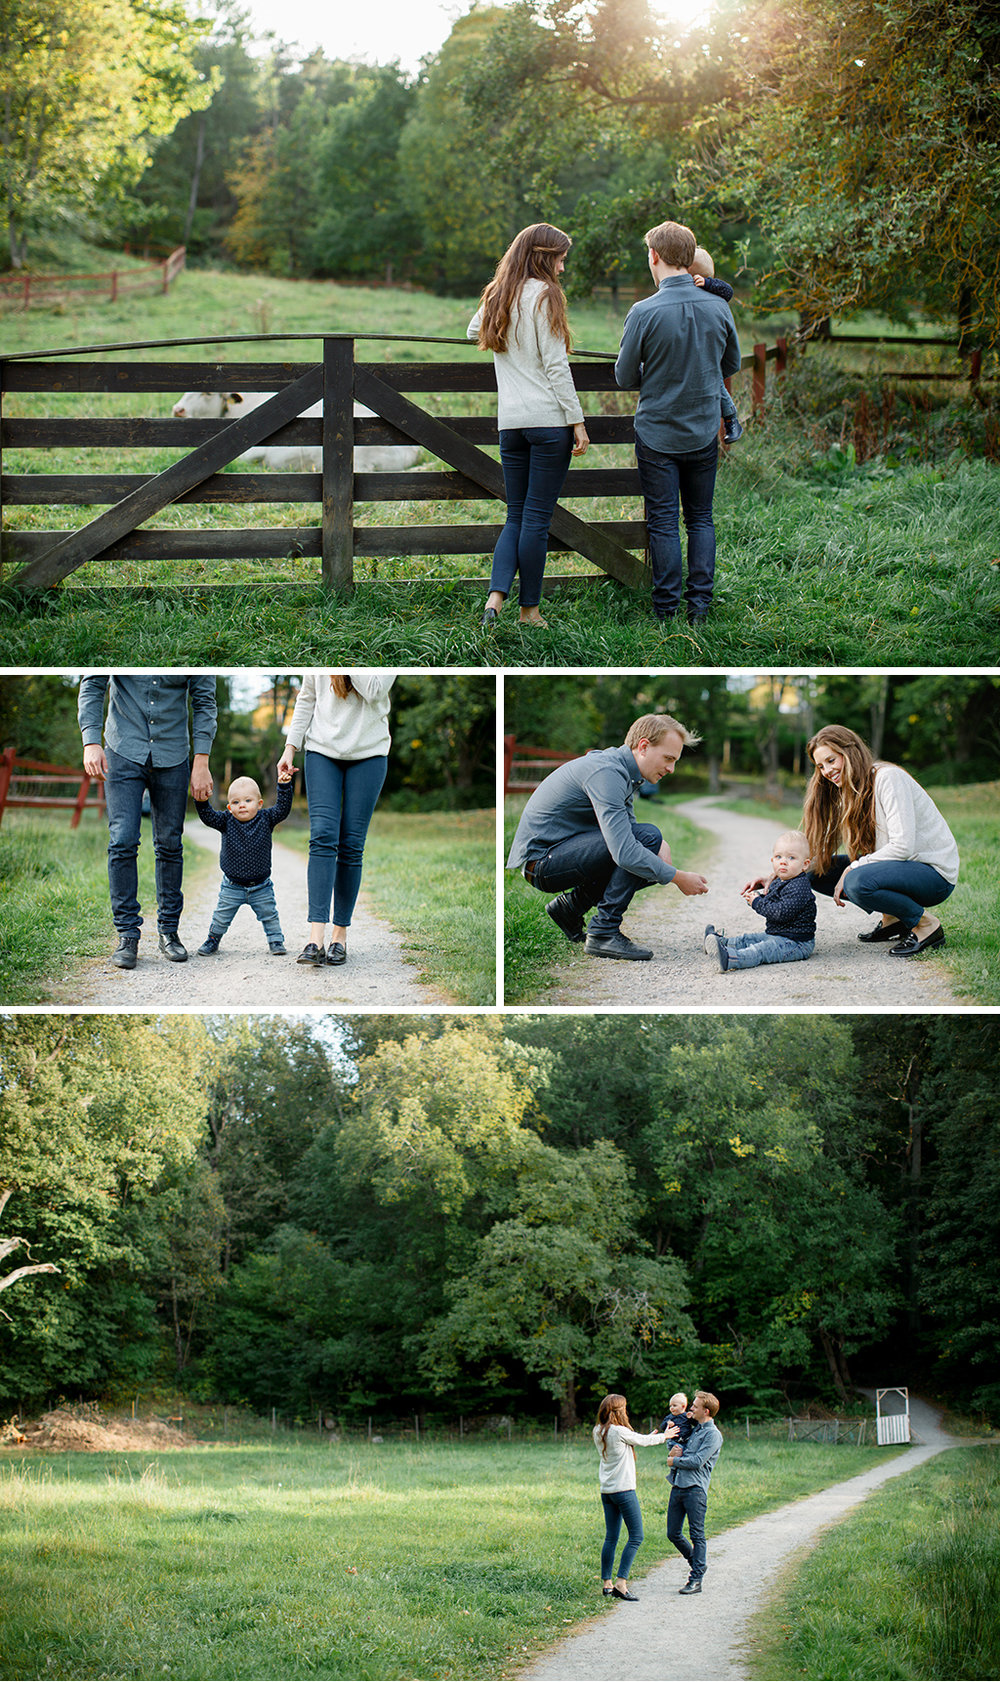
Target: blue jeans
[
  {"x": 584, "y": 866},
  {"x": 671, "y": 483},
  {"x": 535, "y": 461},
  {"x": 690, "y": 1504},
  {"x": 341, "y": 794},
  {"x": 900, "y": 887},
  {"x": 746, "y": 951},
  {"x": 623, "y": 1504},
  {"x": 168, "y": 792},
  {"x": 260, "y": 900}
]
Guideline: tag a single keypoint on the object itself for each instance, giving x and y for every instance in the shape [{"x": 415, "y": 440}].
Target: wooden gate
[{"x": 45, "y": 558}]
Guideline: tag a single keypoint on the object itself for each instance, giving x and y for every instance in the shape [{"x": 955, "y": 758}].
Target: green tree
[
  {"x": 85, "y": 88},
  {"x": 364, "y": 225}
]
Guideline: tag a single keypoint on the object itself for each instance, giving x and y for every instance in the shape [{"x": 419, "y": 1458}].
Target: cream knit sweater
[
  {"x": 534, "y": 383},
  {"x": 908, "y": 825},
  {"x": 356, "y": 727}
]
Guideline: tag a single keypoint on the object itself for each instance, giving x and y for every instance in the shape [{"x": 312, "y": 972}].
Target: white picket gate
[{"x": 892, "y": 1427}]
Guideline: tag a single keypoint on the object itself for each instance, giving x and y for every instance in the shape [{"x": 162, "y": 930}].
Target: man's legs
[
  {"x": 168, "y": 792},
  {"x": 660, "y": 481},
  {"x": 697, "y": 472},
  {"x": 584, "y": 865},
  {"x": 123, "y": 789},
  {"x": 675, "y": 1523},
  {"x": 696, "y": 1506}
]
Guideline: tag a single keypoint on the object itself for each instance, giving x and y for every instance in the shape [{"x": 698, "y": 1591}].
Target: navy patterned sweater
[
  {"x": 789, "y": 907},
  {"x": 246, "y": 847}
]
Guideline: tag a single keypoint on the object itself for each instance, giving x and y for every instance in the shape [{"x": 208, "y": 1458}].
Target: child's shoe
[
  {"x": 710, "y": 933},
  {"x": 732, "y": 430},
  {"x": 278, "y": 947},
  {"x": 209, "y": 945},
  {"x": 720, "y": 952}
]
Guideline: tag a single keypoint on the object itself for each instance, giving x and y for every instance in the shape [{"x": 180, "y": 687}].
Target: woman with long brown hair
[
  {"x": 900, "y": 856},
  {"x": 522, "y": 320},
  {"x": 343, "y": 719},
  {"x": 616, "y": 1443}
]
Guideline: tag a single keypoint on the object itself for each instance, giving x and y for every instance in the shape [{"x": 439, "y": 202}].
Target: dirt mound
[{"x": 88, "y": 1430}]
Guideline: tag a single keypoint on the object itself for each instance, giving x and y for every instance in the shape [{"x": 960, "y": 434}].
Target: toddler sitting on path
[
  {"x": 789, "y": 909},
  {"x": 245, "y": 857}
]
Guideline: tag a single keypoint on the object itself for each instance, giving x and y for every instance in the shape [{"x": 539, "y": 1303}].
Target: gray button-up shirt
[
  {"x": 596, "y": 791},
  {"x": 148, "y": 716},
  {"x": 676, "y": 347}
]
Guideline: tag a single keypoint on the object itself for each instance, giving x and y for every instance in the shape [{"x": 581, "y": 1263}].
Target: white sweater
[
  {"x": 534, "y": 383},
  {"x": 617, "y": 1460},
  {"x": 356, "y": 727},
  {"x": 908, "y": 825}
]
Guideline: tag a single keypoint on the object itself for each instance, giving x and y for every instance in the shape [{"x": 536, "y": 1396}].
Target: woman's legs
[
  {"x": 623, "y": 1504},
  {"x": 901, "y": 889},
  {"x": 535, "y": 462},
  {"x": 341, "y": 795}
]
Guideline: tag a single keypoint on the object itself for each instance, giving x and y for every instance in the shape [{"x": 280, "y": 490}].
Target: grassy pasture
[
  {"x": 360, "y": 1561},
  {"x": 847, "y": 535}
]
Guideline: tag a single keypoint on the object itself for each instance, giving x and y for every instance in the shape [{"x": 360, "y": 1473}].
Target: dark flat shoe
[
  {"x": 692, "y": 1586},
  {"x": 882, "y": 931},
  {"x": 489, "y": 618},
  {"x": 311, "y": 954},
  {"x": 171, "y": 946},
  {"x": 336, "y": 953},
  {"x": 620, "y": 1594},
  {"x": 910, "y": 946}
]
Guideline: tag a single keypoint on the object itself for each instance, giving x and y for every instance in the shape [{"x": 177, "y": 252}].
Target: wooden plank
[
  {"x": 90, "y": 490},
  {"x": 157, "y": 493},
  {"x": 436, "y": 436},
  {"x": 472, "y": 540},
  {"x": 153, "y": 376},
  {"x": 338, "y": 466},
  {"x": 147, "y": 432}
]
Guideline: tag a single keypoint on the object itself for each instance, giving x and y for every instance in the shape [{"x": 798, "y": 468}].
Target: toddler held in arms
[
  {"x": 788, "y": 906},
  {"x": 702, "y": 271},
  {"x": 245, "y": 858}
]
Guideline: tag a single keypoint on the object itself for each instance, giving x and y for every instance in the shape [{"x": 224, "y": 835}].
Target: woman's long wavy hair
[
  {"x": 612, "y": 1411},
  {"x": 847, "y": 813},
  {"x": 342, "y": 684},
  {"x": 531, "y": 256}
]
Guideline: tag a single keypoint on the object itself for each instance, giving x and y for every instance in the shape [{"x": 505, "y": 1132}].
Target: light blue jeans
[
  {"x": 622, "y": 1504},
  {"x": 746, "y": 951},
  {"x": 260, "y": 900}
]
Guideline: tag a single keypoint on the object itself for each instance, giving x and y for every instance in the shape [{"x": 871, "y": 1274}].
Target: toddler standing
[
  {"x": 789, "y": 907},
  {"x": 245, "y": 858}
]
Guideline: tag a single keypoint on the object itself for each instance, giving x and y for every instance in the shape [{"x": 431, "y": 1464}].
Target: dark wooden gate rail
[{"x": 45, "y": 558}]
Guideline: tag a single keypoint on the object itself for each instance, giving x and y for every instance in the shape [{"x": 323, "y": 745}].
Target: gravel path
[
  {"x": 841, "y": 973},
  {"x": 702, "y": 1638},
  {"x": 243, "y": 974}
]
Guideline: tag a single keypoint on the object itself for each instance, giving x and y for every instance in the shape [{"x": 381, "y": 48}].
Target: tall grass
[
  {"x": 432, "y": 876},
  {"x": 365, "y": 1562},
  {"x": 905, "y": 1588},
  {"x": 839, "y": 542}
]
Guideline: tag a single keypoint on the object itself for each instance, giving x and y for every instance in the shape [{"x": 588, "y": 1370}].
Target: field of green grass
[
  {"x": 343, "y": 1561},
  {"x": 907, "y": 1587},
  {"x": 839, "y": 543},
  {"x": 431, "y": 875}
]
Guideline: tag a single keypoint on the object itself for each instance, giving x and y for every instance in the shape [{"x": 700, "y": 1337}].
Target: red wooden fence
[
  {"x": 34, "y": 774},
  {"x": 20, "y": 291}
]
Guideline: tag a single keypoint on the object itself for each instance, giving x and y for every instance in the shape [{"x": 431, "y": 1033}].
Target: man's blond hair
[
  {"x": 652, "y": 727},
  {"x": 673, "y": 243},
  {"x": 707, "y": 1400}
]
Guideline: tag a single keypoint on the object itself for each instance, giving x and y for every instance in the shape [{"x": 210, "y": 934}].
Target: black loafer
[
  {"x": 171, "y": 947},
  {"x": 489, "y": 618},
  {"x": 566, "y": 917},
  {"x": 336, "y": 952},
  {"x": 311, "y": 954},
  {"x": 882, "y": 931},
  {"x": 615, "y": 945},
  {"x": 910, "y": 945},
  {"x": 624, "y": 1594}
]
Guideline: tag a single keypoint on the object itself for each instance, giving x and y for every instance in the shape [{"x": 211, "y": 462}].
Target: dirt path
[
  {"x": 842, "y": 973},
  {"x": 243, "y": 973},
  {"x": 668, "y": 1637}
]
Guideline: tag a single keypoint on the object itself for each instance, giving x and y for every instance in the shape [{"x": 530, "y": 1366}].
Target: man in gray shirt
[
  {"x": 691, "y": 1466},
  {"x": 677, "y": 347},
  {"x": 146, "y": 746},
  {"x": 578, "y": 837}
]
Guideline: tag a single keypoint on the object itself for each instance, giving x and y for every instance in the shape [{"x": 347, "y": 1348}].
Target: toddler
[
  {"x": 676, "y": 1423},
  {"x": 789, "y": 907},
  {"x": 245, "y": 858},
  {"x": 702, "y": 271}
]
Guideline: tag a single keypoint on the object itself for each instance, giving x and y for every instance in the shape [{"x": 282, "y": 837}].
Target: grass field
[
  {"x": 848, "y": 534},
  {"x": 907, "y": 1587},
  {"x": 430, "y": 875},
  {"x": 364, "y": 1561}
]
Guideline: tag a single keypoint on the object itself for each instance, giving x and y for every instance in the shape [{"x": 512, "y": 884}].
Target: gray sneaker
[
  {"x": 615, "y": 945},
  {"x": 710, "y": 932}
]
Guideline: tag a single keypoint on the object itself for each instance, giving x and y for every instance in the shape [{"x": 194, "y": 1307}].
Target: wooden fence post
[
  {"x": 975, "y": 367},
  {"x": 338, "y": 464},
  {"x": 759, "y": 369},
  {"x": 781, "y": 360}
]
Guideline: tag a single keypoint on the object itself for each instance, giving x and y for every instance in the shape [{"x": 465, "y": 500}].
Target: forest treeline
[
  {"x": 477, "y": 1215},
  {"x": 842, "y": 153},
  {"x": 443, "y": 755}
]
